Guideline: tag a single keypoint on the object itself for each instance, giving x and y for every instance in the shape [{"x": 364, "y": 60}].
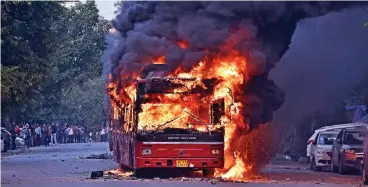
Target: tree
[
  {"x": 50, "y": 54},
  {"x": 26, "y": 41},
  {"x": 83, "y": 104}
]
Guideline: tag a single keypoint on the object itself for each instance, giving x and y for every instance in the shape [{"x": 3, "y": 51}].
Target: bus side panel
[
  {"x": 126, "y": 154},
  {"x": 115, "y": 147}
]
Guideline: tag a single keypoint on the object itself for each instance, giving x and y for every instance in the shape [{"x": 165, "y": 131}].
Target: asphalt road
[{"x": 62, "y": 166}]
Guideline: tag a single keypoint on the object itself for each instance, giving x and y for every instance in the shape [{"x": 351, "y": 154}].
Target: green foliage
[
  {"x": 83, "y": 104},
  {"x": 51, "y": 60},
  {"x": 366, "y": 24}
]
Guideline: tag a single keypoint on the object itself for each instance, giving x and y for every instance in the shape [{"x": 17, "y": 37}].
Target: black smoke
[
  {"x": 328, "y": 58},
  {"x": 151, "y": 29}
]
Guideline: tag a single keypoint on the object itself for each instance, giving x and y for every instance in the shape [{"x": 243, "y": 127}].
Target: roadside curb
[
  {"x": 288, "y": 167},
  {"x": 13, "y": 152}
]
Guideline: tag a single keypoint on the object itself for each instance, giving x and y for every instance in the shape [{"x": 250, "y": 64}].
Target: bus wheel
[
  {"x": 139, "y": 172},
  {"x": 209, "y": 173}
]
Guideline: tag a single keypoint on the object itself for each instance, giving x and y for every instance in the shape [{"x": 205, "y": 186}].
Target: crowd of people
[{"x": 46, "y": 134}]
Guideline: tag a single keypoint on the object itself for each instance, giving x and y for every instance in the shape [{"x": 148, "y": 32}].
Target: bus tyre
[
  {"x": 139, "y": 172},
  {"x": 209, "y": 173}
]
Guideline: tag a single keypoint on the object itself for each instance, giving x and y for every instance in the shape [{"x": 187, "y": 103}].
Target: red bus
[{"x": 190, "y": 140}]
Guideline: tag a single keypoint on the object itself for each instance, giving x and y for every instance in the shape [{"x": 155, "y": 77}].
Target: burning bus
[{"x": 169, "y": 122}]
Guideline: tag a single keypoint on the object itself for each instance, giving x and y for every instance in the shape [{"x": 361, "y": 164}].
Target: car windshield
[
  {"x": 326, "y": 138},
  {"x": 354, "y": 138}
]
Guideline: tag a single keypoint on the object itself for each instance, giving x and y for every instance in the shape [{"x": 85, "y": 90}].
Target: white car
[
  {"x": 329, "y": 128},
  {"x": 2, "y": 146},
  {"x": 320, "y": 155}
]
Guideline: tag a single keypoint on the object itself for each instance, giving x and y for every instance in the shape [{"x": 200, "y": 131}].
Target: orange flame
[
  {"x": 171, "y": 110},
  {"x": 182, "y": 44},
  {"x": 160, "y": 60}
]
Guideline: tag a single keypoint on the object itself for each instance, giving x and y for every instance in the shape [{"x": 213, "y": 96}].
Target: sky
[{"x": 106, "y": 9}]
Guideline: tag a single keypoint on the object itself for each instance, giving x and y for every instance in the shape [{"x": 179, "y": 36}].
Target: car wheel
[
  {"x": 334, "y": 169},
  {"x": 313, "y": 166},
  {"x": 365, "y": 177},
  {"x": 342, "y": 169}
]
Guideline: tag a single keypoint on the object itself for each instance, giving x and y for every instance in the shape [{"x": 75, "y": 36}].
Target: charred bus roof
[{"x": 171, "y": 85}]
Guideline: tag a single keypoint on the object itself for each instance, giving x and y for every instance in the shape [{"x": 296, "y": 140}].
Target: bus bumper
[{"x": 179, "y": 162}]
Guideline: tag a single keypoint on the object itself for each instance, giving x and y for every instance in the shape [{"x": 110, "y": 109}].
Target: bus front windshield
[{"x": 172, "y": 105}]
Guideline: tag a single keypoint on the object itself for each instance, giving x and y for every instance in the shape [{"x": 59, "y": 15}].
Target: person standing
[
  {"x": 98, "y": 135},
  {"x": 103, "y": 134},
  {"x": 53, "y": 134},
  {"x": 32, "y": 134},
  {"x": 45, "y": 135},
  {"x": 27, "y": 134},
  {"x": 65, "y": 133},
  {"x": 38, "y": 135},
  {"x": 17, "y": 130},
  {"x": 13, "y": 137},
  {"x": 70, "y": 134},
  {"x": 77, "y": 134},
  {"x": 48, "y": 134}
]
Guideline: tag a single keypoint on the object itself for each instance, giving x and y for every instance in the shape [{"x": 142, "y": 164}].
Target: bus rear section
[
  {"x": 196, "y": 150},
  {"x": 170, "y": 123}
]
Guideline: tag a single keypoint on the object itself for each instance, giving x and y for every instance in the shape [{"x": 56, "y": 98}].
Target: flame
[
  {"x": 160, "y": 60},
  {"x": 182, "y": 44},
  {"x": 176, "y": 109},
  {"x": 118, "y": 172},
  {"x": 238, "y": 170}
]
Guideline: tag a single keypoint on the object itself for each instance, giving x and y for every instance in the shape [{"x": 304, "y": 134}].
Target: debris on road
[
  {"x": 100, "y": 156},
  {"x": 214, "y": 181},
  {"x": 96, "y": 174}
]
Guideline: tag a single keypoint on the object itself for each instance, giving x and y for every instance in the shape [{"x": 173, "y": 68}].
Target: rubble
[
  {"x": 303, "y": 160},
  {"x": 214, "y": 181},
  {"x": 96, "y": 174},
  {"x": 106, "y": 156}
]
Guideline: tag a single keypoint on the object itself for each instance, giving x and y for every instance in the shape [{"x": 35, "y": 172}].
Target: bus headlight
[
  {"x": 215, "y": 151},
  {"x": 146, "y": 151}
]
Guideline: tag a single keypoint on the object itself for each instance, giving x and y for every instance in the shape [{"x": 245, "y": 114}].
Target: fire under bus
[{"x": 144, "y": 137}]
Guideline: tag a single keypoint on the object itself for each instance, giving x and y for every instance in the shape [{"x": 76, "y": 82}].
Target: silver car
[
  {"x": 320, "y": 155},
  {"x": 347, "y": 150}
]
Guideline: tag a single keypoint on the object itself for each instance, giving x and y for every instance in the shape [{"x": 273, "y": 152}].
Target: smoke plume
[
  {"x": 258, "y": 31},
  {"x": 327, "y": 59},
  {"x": 261, "y": 31}
]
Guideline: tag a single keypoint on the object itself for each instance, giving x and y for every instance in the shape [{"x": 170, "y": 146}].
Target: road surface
[{"x": 64, "y": 166}]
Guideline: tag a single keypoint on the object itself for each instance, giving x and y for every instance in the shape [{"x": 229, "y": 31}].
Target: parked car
[
  {"x": 320, "y": 155},
  {"x": 329, "y": 128},
  {"x": 6, "y": 137},
  {"x": 365, "y": 163},
  {"x": 19, "y": 142},
  {"x": 2, "y": 145},
  {"x": 347, "y": 150}
]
